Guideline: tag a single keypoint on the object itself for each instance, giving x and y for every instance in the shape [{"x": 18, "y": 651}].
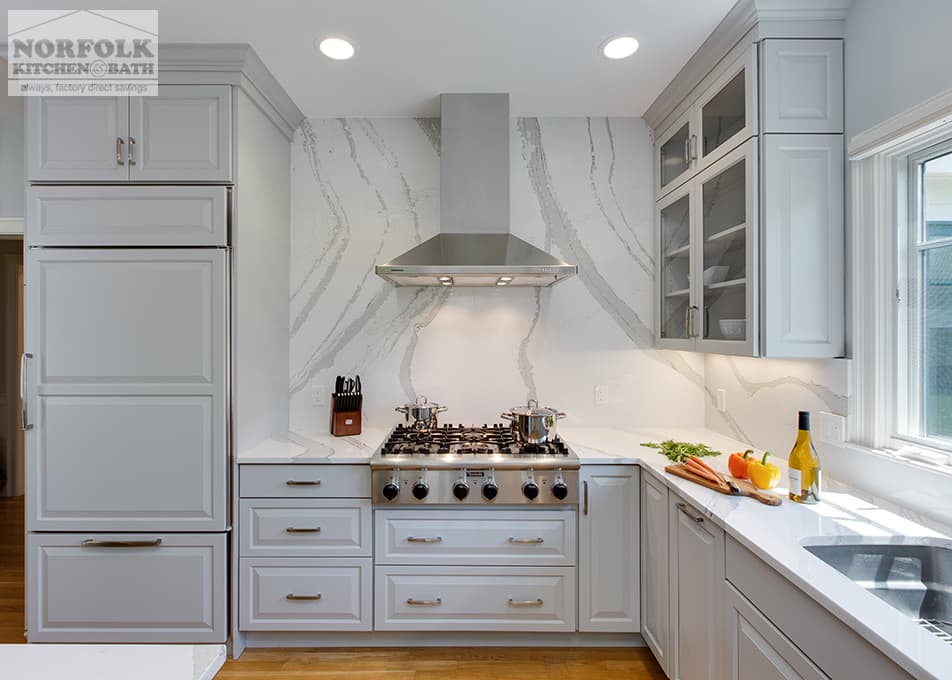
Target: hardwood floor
[
  {"x": 417, "y": 663},
  {"x": 446, "y": 663},
  {"x": 12, "y": 621}
]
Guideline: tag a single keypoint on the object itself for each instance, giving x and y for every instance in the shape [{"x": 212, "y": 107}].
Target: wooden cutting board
[{"x": 746, "y": 488}]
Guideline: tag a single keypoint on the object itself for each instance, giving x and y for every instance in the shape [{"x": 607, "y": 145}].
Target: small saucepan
[
  {"x": 421, "y": 412},
  {"x": 532, "y": 424}
]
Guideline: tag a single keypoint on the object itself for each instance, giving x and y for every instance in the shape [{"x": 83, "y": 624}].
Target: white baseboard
[{"x": 441, "y": 639}]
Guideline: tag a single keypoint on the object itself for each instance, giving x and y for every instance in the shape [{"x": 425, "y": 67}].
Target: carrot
[
  {"x": 700, "y": 462},
  {"x": 702, "y": 471}
]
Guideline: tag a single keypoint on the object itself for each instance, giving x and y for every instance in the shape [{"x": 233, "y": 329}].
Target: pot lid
[
  {"x": 532, "y": 408},
  {"x": 421, "y": 402}
]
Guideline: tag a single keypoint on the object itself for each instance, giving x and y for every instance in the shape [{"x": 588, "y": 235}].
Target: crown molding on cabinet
[
  {"x": 226, "y": 64},
  {"x": 759, "y": 18}
]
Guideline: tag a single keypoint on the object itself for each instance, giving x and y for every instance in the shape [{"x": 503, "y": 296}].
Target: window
[{"x": 924, "y": 355}]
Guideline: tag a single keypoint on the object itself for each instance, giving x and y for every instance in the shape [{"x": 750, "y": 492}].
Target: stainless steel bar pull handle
[
  {"x": 303, "y": 482},
  {"x": 416, "y": 539},
  {"x": 585, "y": 499},
  {"x": 684, "y": 508},
  {"x": 25, "y": 423},
  {"x": 687, "y": 151},
  {"x": 424, "y": 603},
  {"x": 93, "y": 543},
  {"x": 119, "y": 143},
  {"x": 693, "y": 147},
  {"x": 308, "y": 530},
  {"x": 526, "y": 603},
  {"x": 132, "y": 150},
  {"x": 311, "y": 598},
  {"x": 525, "y": 541}
]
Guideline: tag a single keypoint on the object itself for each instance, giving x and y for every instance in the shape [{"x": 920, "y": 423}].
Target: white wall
[
  {"x": 896, "y": 57},
  {"x": 365, "y": 190}
]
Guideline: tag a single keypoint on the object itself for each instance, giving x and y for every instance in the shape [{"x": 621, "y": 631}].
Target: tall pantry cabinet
[{"x": 156, "y": 229}]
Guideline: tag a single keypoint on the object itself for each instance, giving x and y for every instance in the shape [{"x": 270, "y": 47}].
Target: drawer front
[
  {"x": 127, "y": 216},
  {"x": 92, "y": 588},
  {"x": 526, "y": 599},
  {"x": 304, "y": 481},
  {"x": 305, "y": 528},
  {"x": 476, "y": 537},
  {"x": 306, "y": 594}
]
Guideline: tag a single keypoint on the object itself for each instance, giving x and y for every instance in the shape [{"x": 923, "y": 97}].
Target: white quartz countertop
[
  {"x": 776, "y": 535},
  {"x": 111, "y": 662}
]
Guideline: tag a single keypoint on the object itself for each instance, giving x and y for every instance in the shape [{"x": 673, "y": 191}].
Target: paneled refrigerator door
[
  {"x": 727, "y": 254},
  {"x": 126, "y": 389},
  {"x": 676, "y": 314}
]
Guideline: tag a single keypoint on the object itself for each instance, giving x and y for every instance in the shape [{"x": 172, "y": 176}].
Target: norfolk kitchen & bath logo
[{"x": 63, "y": 53}]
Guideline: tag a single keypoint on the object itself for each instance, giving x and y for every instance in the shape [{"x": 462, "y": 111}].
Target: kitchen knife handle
[
  {"x": 585, "y": 497},
  {"x": 25, "y": 423}
]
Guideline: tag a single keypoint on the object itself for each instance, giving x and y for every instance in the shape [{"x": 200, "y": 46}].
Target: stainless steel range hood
[{"x": 474, "y": 246}]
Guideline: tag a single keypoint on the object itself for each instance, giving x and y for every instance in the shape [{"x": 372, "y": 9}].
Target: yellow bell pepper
[{"x": 764, "y": 475}]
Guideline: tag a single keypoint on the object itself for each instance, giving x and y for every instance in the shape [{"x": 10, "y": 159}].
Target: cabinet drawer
[
  {"x": 127, "y": 216},
  {"x": 308, "y": 594},
  {"x": 145, "y": 588},
  {"x": 480, "y": 537},
  {"x": 475, "y": 598},
  {"x": 304, "y": 481},
  {"x": 309, "y": 528}
]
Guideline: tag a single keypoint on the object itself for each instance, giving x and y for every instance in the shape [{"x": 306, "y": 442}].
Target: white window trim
[{"x": 879, "y": 189}]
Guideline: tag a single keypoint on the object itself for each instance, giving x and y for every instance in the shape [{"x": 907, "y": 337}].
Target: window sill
[{"x": 918, "y": 456}]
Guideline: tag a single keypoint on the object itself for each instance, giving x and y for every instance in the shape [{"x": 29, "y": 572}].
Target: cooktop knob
[
  {"x": 420, "y": 490},
  {"x": 460, "y": 490},
  {"x": 560, "y": 490},
  {"x": 490, "y": 490},
  {"x": 530, "y": 490},
  {"x": 391, "y": 491}
]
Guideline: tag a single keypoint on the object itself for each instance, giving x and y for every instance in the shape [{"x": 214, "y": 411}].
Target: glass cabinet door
[
  {"x": 726, "y": 113},
  {"x": 674, "y": 155},
  {"x": 674, "y": 218},
  {"x": 726, "y": 253}
]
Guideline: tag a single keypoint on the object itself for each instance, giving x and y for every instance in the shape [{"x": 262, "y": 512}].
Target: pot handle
[
  {"x": 401, "y": 409},
  {"x": 506, "y": 416},
  {"x": 560, "y": 415},
  {"x": 440, "y": 409},
  {"x": 531, "y": 402}
]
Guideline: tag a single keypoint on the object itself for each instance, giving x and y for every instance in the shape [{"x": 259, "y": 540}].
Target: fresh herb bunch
[{"x": 680, "y": 451}]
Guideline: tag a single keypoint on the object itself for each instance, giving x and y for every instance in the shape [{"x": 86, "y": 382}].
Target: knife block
[{"x": 344, "y": 423}]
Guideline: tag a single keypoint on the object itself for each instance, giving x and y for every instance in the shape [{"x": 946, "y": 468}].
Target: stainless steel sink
[{"x": 913, "y": 576}]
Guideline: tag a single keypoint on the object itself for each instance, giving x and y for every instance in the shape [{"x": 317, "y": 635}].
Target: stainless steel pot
[
  {"x": 422, "y": 413},
  {"x": 532, "y": 424}
]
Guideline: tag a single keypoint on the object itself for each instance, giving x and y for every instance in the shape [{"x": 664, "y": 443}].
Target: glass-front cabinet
[
  {"x": 721, "y": 119},
  {"x": 707, "y": 254}
]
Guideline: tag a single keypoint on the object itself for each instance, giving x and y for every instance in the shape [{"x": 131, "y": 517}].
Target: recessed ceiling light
[
  {"x": 621, "y": 47},
  {"x": 336, "y": 48}
]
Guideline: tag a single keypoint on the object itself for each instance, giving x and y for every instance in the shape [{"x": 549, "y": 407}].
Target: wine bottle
[{"x": 804, "y": 465}]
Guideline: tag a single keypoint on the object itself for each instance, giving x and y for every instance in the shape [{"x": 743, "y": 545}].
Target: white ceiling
[{"x": 545, "y": 53}]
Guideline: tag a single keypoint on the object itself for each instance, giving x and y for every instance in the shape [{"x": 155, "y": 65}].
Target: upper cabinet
[
  {"x": 722, "y": 117},
  {"x": 182, "y": 135},
  {"x": 749, "y": 212}
]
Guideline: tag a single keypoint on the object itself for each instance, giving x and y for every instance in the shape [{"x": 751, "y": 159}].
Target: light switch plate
[
  {"x": 721, "y": 400},
  {"x": 318, "y": 393},
  {"x": 830, "y": 427}
]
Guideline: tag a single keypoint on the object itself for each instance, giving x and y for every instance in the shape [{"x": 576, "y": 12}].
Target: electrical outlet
[
  {"x": 830, "y": 427},
  {"x": 318, "y": 393},
  {"x": 601, "y": 395},
  {"x": 721, "y": 400}
]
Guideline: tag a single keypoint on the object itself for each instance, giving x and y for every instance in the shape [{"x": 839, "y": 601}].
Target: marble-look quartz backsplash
[
  {"x": 366, "y": 190},
  {"x": 764, "y": 395}
]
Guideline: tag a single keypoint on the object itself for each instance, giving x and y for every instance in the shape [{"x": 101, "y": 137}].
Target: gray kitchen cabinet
[
  {"x": 802, "y": 86},
  {"x": 127, "y": 215},
  {"x": 182, "y": 135},
  {"x": 655, "y": 591},
  {"x": 757, "y": 650},
  {"x": 125, "y": 400},
  {"x": 154, "y": 587},
  {"x": 697, "y": 572},
  {"x": 609, "y": 568}
]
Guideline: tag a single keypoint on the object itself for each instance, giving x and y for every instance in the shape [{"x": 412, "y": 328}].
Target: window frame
[{"x": 882, "y": 215}]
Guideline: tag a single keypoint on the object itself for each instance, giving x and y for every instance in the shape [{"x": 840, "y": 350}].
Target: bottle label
[{"x": 796, "y": 481}]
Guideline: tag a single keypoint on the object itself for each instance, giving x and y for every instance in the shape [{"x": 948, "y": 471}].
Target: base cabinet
[
  {"x": 654, "y": 568},
  {"x": 609, "y": 568},
  {"x": 146, "y": 588},
  {"x": 697, "y": 570}
]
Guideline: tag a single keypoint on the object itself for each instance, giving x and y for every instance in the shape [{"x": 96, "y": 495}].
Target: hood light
[
  {"x": 503, "y": 280},
  {"x": 620, "y": 48},
  {"x": 338, "y": 49},
  {"x": 446, "y": 280}
]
